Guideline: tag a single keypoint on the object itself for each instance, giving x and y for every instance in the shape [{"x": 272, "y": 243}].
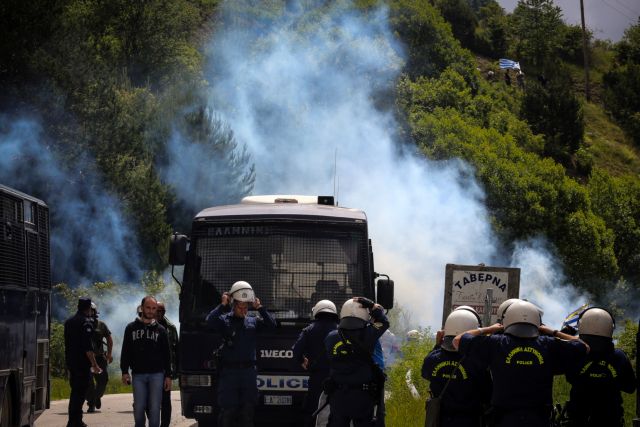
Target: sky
[{"x": 606, "y": 18}]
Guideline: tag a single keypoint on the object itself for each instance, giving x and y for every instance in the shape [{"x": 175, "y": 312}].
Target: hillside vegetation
[{"x": 120, "y": 80}]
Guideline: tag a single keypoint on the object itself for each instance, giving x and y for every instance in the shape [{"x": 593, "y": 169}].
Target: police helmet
[
  {"x": 242, "y": 291},
  {"x": 353, "y": 315},
  {"x": 460, "y": 320},
  {"x": 503, "y": 307},
  {"x": 596, "y": 321},
  {"x": 324, "y": 306},
  {"x": 414, "y": 335},
  {"x": 522, "y": 319}
]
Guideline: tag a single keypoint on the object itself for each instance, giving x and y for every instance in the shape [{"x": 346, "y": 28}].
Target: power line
[
  {"x": 616, "y": 9},
  {"x": 635, "y": 12}
]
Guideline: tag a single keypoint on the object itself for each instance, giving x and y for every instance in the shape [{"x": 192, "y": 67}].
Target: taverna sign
[{"x": 473, "y": 284}]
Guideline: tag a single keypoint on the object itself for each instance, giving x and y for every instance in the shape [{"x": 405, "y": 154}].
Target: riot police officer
[
  {"x": 172, "y": 336},
  {"x": 98, "y": 383},
  {"x": 309, "y": 351},
  {"x": 79, "y": 358},
  {"x": 461, "y": 385},
  {"x": 237, "y": 390},
  {"x": 596, "y": 382},
  {"x": 355, "y": 380},
  {"x": 522, "y": 361}
]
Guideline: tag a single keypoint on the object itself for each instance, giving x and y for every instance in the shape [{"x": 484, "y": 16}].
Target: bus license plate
[{"x": 278, "y": 400}]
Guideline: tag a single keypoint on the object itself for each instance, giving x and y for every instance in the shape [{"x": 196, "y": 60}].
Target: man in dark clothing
[
  {"x": 522, "y": 364},
  {"x": 98, "y": 382},
  {"x": 309, "y": 351},
  {"x": 598, "y": 379},
  {"x": 172, "y": 335},
  {"x": 145, "y": 350},
  {"x": 355, "y": 381},
  {"x": 79, "y": 358},
  {"x": 237, "y": 389},
  {"x": 467, "y": 385}
]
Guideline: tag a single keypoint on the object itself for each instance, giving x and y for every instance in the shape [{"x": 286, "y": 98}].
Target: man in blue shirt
[
  {"x": 355, "y": 379},
  {"x": 522, "y": 361},
  {"x": 237, "y": 389}
]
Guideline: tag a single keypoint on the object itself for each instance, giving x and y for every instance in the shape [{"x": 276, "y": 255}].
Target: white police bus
[{"x": 294, "y": 251}]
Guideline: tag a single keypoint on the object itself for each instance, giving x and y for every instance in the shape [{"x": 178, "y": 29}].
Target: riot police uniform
[
  {"x": 237, "y": 376},
  {"x": 310, "y": 345},
  {"x": 78, "y": 331},
  {"x": 172, "y": 336},
  {"x": 355, "y": 384},
  {"x": 468, "y": 385},
  {"x": 522, "y": 365},
  {"x": 597, "y": 380}
]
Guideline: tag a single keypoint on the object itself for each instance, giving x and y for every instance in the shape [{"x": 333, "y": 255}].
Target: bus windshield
[{"x": 290, "y": 267}]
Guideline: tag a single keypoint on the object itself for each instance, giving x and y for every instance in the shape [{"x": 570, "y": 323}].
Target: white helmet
[
  {"x": 353, "y": 315},
  {"x": 460, "y": 320},
  {"x": 324, "y": 306},
  {"x": 596, "y": 321},
  {"x": 242, "y": 291},
  {"x": 503, "y": 307},
  {"x": 522, "y": 319},
  {"x": 414, "y": 335}
]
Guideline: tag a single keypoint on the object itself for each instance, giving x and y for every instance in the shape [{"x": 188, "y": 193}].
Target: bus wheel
[{"x": 6, "y": 414}]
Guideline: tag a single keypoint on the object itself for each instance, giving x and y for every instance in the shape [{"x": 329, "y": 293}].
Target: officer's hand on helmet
[
  {"x": 365, "y": 302},
  {"x": 439, "y": 336},
  {"x": 256, "y": 303},
  {"x": 226, "y": 299},
  {"x": 545, "y": 330},
  {"x": 305, "y": 364},
  {"x": 493, "y": 329}
]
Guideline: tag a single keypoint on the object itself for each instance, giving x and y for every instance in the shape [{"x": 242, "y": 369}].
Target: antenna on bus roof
[
  {"x": 336, "y": 180},
  {"x": 335, "y": 167}
]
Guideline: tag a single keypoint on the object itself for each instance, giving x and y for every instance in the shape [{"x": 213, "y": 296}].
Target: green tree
[
  {"x": 622, "y": 84},
  {"x": 554, "y": 111},
  {"x": 463, "y": 21},
  {"x": 537, "y": 29},
  {"x": 430, "y": 44},
  {"x": 492, "y": 31}
]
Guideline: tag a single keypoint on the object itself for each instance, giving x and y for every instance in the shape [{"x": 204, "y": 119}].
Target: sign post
[{"x": 472, "y": 285}]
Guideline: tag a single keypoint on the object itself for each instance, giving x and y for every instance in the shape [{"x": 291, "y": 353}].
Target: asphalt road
[{"x": 116, "y": 411}]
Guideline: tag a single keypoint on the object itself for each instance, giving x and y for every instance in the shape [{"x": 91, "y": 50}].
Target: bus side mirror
[
  {"x": 178, "y": 249},
  {"x": 385, "y": 293}
]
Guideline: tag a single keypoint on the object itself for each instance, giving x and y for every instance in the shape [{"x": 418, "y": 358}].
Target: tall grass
[{"x": 403, "y": 410}]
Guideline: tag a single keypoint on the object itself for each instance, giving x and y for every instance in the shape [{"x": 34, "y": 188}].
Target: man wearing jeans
[{"x": 145, "y": 349}]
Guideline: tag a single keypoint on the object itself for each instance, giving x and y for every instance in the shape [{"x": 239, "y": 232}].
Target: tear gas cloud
[
  {"x": 90, "y": 236},
  {"x": 309, "y": 90}
]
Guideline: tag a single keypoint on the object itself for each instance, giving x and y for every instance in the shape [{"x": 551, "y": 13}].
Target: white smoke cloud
[
  {"x": 543, "y": 282},
  {"x": 302, "y": 95}
]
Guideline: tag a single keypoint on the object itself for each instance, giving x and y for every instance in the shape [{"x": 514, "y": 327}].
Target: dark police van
[
  {"x": 294, "y": 251},
  {"x": 25, "y": 287}
]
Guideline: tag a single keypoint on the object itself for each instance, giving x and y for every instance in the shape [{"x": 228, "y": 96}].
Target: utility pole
[
  {"x": 585, "y": 46},
  {"x": 636, "y": 420}
]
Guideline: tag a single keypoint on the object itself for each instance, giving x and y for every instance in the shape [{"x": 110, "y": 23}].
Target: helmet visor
[
  {"x": 352, "y": 323},
  {"x": 447, "y": 343}
]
